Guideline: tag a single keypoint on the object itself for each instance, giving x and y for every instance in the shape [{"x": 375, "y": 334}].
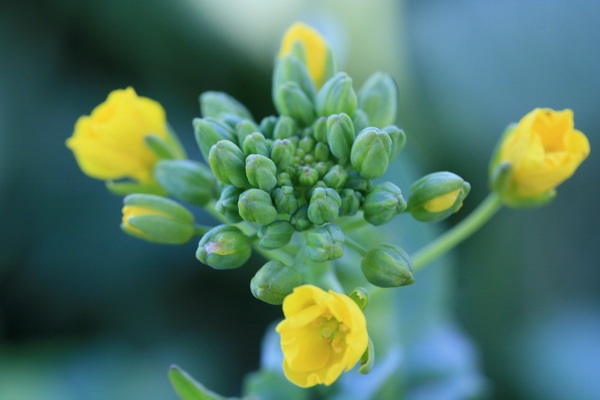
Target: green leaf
[{"x": 188, "y": 388}]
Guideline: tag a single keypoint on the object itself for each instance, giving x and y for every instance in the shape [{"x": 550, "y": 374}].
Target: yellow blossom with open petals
[
  {"x": 542, "y": 151},
  {"x": 323, "y": 335},
  {"x": 109, "y": 144},
  {"x": 316, "y": 52}
]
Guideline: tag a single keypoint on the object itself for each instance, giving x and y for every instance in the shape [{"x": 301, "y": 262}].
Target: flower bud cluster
[
  {"x": 302, "y": 170},
  {"x": 309, "y": 165}
]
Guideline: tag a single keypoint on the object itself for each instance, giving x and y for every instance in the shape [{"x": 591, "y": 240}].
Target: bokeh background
[{"x": 87, "y": 312}]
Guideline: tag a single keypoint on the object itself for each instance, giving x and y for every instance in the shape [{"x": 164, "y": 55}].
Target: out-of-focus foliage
[{"x": 87, "y": 312}]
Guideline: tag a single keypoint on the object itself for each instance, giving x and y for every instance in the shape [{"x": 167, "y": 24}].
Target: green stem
[
  {"x": 356, "y": 246},
  {"x": 354, "y": 224},
  {"x": 279, "y": 255},
  {"x": 486, "y": 210},
  {"x": 200, "y": 230},
  {"x": 210, "y": 208}
]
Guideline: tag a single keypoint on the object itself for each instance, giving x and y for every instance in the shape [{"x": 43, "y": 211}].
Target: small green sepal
[
  {"x": 361, "y": 297},
  {"x": 367, "y": 361}
]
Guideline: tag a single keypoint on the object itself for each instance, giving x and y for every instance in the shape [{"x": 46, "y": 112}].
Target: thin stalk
[
  {"x": 486, "y": 210},
  {"x": 356, "y": 246}
]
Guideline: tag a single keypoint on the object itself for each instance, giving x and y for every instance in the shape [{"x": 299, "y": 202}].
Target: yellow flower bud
[
  {"x": 110, "y": 144},
  {"x": 540, "y": 153},
  {"x": 323, "y": 335},
  {"x": 317, "y": 57}
]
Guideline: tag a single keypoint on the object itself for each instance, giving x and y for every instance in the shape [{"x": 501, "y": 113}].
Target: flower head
[
  {"x": 109, "y": 144},
  {"x": 323, "y": 335},
  {"x": 542, "y": 151},
  {"x": 316, "y": 52}
]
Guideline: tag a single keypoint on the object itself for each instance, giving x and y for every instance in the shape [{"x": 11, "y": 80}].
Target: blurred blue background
[{"x": 87, "y": 312}]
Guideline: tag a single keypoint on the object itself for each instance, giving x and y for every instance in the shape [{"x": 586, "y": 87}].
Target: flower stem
[
  {"x": 356, "y": 246},
  {"x": 486, "y": 210},
  {"x": 200, "y": 230}
]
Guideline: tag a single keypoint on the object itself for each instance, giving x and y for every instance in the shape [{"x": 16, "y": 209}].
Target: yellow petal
[{"x": 315, "y": 49}]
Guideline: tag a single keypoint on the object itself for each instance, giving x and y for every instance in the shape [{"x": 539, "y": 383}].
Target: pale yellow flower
[
  {"x": 109, "y": 143},
  {"x": 543, "y": 150},
  {"x": 323, "y": 335},
  {"x": 316, "y": 51}
]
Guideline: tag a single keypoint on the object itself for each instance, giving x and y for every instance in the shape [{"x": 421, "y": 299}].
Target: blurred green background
[{"x": 89, "y": 313}]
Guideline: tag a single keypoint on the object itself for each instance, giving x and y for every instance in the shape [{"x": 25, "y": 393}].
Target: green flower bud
[
  {"x": 340, "y": 135},
  {"x": 187, "y": 180},
  {"x": 275, "y": 235},
  {"x": 244, "y": 129},
  {"x": 157, "y": 219},
  {"x": 378, "y": 98},
  {"x": 351, "y": 202},
  {"x": 321, "y": 168},
  {"x": 321, "y": 152},
  {"x": 300, "y": 219},
  {"x": 357, "y": 183},
  {"x": 267, "y": 126},
  {"x": 307, "y": 176},
  {"x": 309, "y": 192},
  {"x": 255, "y": 205},
  {"x": 224, "y": 247},
  {"x": 360, "y": 120},
  {"x": 228, "y": 204},
  {"x": 382, "y": 203},
  {"x": 324, "y": 206},
  {"x": 255, "y": 143},
  {"x": 320, "y": 130},
  {"x": 228, "y": 164},
  {"x": 168, "y": 148},
  {"x": 336, "y": 96},
  {"x": 285, "y": 200},
  {"x": 282, "y": 152},
  {"x": 209, "y": 131},
  {"x": 293, "y": 102},
  {"x": 398, "y": 139},
  {"x": 371, "y": 153},
  {"x": 214, "y": 104},
  {"x": 437, "y": 196},
  {"x": 290, "y": 69},
  {"x": 336, "y": 177},
  {"x": 274, "y": 281},
  {"x": 325, "y": 243},
  {"x": 284, "y": 179},
  {"x": 261, "y": 172},
  {"x": 307, "y": 144},
  {"x": 285, "y": 128},
  {"x": 387, "y": 266},
  {"x": 230, "y": 119}
]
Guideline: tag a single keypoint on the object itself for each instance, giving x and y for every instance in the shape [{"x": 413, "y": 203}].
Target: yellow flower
[
  {"x": 543, "y": 150},
  {"x": 109, "y": 143},
  {"x": 323, "y": 335},
  {"x": 316, "y": 53}
]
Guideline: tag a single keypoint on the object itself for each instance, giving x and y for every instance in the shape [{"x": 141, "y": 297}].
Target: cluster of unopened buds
[{"x": 295, "y": 185}]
